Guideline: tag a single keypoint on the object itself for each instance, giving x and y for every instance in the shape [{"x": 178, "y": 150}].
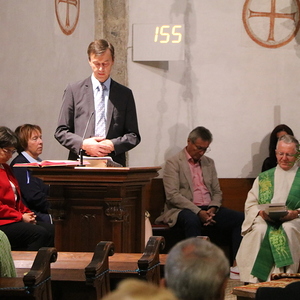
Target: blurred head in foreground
[
  {"x": 135, "y": 289},
  {"x": 197, "y": 269}
]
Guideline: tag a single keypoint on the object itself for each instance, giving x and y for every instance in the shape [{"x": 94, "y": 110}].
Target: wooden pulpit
[{"x": 90, "y": 205}]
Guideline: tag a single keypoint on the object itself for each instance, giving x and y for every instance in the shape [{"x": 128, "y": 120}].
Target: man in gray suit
[
  {"x": 193, "y": 194},
  {"x": 100, "y": 131}
]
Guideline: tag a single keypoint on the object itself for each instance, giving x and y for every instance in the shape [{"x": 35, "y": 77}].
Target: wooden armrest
[
  {"x": 40, "y": 269},
  {"x": 99, "y": 262},
  {"x": 36, "y": 282},
  {"x": 97, "y": 271},
  {"x": 149, "y": 262}
]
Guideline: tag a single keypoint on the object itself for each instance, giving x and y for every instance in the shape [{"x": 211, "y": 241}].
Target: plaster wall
[
  {"x": 37, "y": 62},
  {"x": 227, "y": 82}
]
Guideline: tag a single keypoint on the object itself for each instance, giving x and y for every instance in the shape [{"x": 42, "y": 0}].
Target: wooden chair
[{"x": 36, "y": 284}]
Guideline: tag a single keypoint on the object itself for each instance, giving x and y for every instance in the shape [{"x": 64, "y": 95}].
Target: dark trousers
[
  {"x": 29, "y": 237},
  {"x": 228, "y": 224}
]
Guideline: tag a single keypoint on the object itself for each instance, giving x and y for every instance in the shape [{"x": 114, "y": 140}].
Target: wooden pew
[
  {"x": 72, "y": 268},
  {"x": 234, "y": 190},
  {"x": 36, "y": 283},
  {"x": 75, "y": 275}
]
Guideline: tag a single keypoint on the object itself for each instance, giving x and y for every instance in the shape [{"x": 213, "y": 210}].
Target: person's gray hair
[
  {"x": 196, "y": 269},
  {"x": 289, "y": 139},
  {"x": 200, "y": 132}
]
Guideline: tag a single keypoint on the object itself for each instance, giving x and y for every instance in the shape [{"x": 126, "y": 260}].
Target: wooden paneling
[{"x": 235, "y": 191}]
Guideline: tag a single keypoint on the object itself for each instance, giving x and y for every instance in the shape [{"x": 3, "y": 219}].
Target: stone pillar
[{"x": 111, "y": 23}]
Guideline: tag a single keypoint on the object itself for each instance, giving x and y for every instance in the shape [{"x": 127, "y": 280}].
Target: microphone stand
[
  {"x": 83, "y": 137},
  {"x": 81, "y": 158}
]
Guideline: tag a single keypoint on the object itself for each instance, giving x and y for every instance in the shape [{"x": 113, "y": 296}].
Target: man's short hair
[
  {"x": 196, "y": 269},
  {"x": 98, "y": 47},
  {"x": 200, "y": 132}
]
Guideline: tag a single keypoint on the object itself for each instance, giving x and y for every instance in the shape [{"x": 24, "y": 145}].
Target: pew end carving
[{"x": 36, "y": 284}]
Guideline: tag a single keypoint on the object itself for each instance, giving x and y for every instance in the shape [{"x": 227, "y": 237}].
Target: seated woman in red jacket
[{"x": 16, "y": 220}]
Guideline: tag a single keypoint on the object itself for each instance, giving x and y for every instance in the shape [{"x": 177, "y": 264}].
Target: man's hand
[
  {"x": 106, "y": 147},
  {"x": 212, "y": 211},
  {"x": 291, "y": 215},
  {"x": 29, "y": 218},
  {"x": 97, "y": 146},
  {"x": 206, "y": 217},
  {"x": 263, "y": 214}
]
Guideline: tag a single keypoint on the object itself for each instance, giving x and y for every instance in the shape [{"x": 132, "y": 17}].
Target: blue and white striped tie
[{"x": 100, "y": 112}]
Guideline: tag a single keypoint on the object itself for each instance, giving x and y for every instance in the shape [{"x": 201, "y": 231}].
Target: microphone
[{"x": 83, "y": 137}]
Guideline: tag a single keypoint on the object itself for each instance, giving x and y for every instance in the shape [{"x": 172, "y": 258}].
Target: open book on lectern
[{"x": 50, "y": 163}]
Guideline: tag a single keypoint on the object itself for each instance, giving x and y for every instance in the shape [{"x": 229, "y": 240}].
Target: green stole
[{"x": 274, "y": 248}]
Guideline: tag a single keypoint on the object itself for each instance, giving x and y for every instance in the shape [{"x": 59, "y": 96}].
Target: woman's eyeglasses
[{"x": 9, "y": 151}]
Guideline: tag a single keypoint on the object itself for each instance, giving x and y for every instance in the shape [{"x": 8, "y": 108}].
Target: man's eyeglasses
[
  {"x": 201, "y": 149},
  {"x": 287, "y": 154},
  {"x": 9, "y": 151}
]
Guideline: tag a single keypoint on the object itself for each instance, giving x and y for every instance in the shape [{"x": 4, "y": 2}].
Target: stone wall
[{"x": 111, "y": 23}]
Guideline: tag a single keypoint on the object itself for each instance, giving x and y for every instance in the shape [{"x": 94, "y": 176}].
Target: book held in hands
[{"x": 276, "y": 210}]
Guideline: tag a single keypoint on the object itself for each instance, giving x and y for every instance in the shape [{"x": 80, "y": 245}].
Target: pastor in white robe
[{"x": 254, "y": 227}]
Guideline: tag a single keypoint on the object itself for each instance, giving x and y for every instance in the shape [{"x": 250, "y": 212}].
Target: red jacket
[{"x": 10, "y": 210}]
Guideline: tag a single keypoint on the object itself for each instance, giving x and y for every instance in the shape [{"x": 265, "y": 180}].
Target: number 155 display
[{"x": 158, "y": 42}]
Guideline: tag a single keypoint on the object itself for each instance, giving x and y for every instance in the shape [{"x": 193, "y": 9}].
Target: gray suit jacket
[
  {"x": 78, "y": 108},
  {"x": 178, "y": 186}
]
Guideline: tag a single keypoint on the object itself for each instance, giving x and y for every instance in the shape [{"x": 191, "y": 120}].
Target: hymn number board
[{"x": 158, "y": 42}]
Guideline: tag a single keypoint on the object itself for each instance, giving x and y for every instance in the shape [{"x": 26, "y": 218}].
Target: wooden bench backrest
[{"x": 75, "y": 275}]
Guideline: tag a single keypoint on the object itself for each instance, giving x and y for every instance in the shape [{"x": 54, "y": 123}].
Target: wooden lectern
[{"x": 90, "y": 205}]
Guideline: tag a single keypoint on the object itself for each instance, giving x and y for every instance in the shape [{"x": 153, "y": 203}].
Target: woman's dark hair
[
  {"x": 7, "y": 138},
  {"x": 274, "y": 138}
]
